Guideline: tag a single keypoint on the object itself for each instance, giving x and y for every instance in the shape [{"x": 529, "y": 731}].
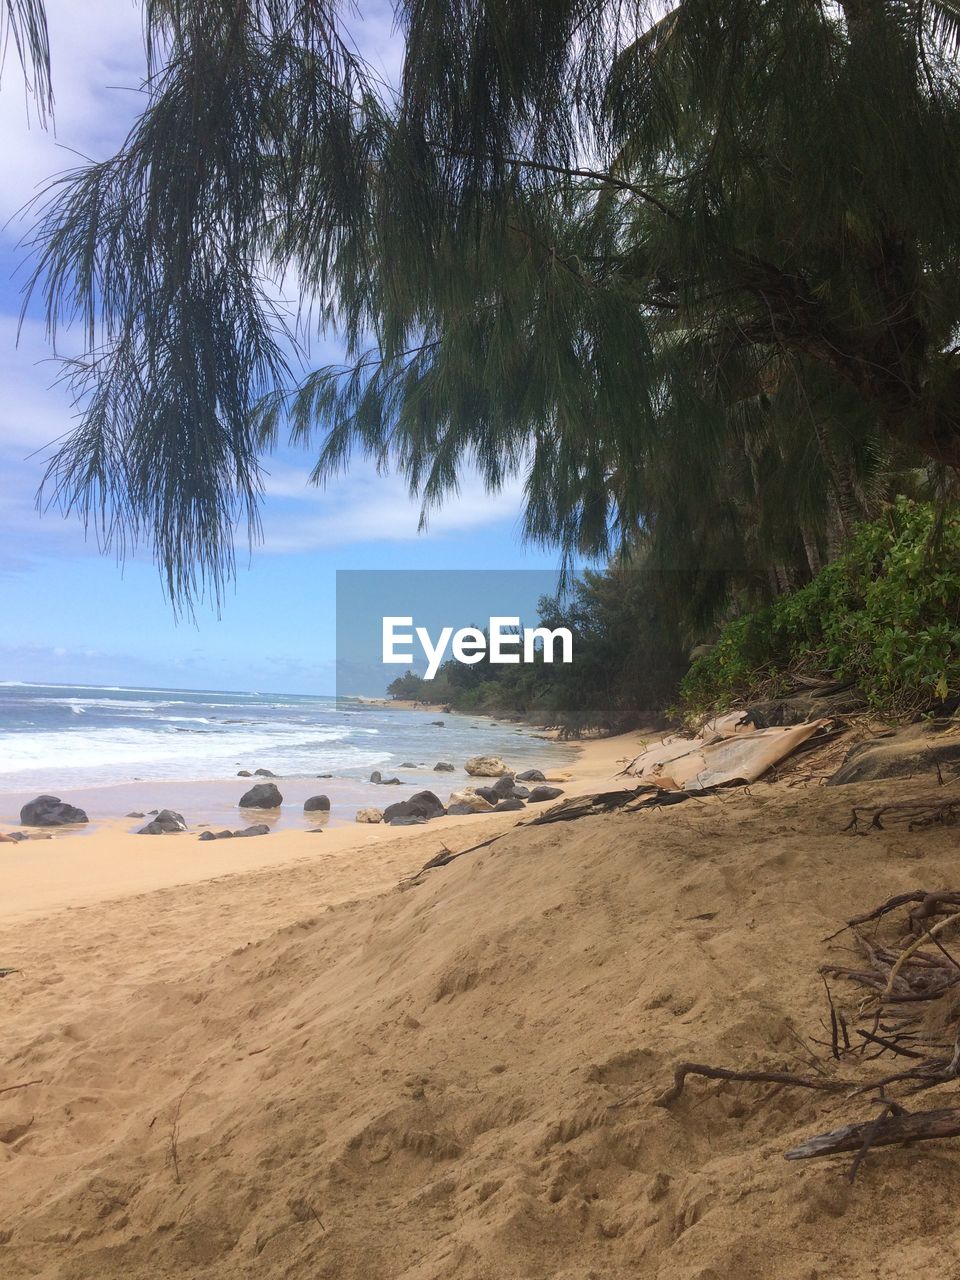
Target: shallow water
[{"x": 112, "y": 751}]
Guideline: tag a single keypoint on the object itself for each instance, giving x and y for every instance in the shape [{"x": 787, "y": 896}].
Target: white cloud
[
  {"x": 98, "y": 61},
  {"x": 365, "y": 507}
]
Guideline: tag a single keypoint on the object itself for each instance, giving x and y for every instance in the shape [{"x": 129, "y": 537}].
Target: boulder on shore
[
  {"x": 258, "y": 829},
  {"x": 369, "y": 815},
  {"x": 317, "y": 804},
  {"x": 504, "y": 786},
  {"x": 531, "y": 775},
  {"x": 508, "y": 806},
  {"x": 442, "y": 766},
  {"x": 539, "y": 794},
  {"x": 264, "y": 773},
  {"x": 485, "y": 767},
  {"x": 165, "y": 823},
  {"x": 50, "y": 811},
  {"x": 422, "y": 804},
  {"x": 244, "y": 773},
  {"x": 263, "y": 796}
]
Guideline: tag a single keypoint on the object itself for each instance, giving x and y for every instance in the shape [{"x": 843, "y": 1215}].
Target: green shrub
[{"x": 886, "y": 614}]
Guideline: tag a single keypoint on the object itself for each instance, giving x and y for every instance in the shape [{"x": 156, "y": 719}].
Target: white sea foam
[{"x": 59, "y": 737}]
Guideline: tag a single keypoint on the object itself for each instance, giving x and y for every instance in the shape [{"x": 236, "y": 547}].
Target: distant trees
[
  {"x": 408, "y": 688},
  {"x": 628, "y": 658}
]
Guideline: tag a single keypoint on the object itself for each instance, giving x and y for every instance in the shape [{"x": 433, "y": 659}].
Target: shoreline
[
  {"x": 212, "y": 801},
  {"x": 111, "y": 862}
]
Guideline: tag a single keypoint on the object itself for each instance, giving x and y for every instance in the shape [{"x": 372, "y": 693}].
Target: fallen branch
[
  {"x": 884, "y": 1131},
  {"x": 685, "y": 1069},
  {"x": 915, "y": 946},
  {"x": 647, "y": 795},
  {"x": 930, "y": 904},
  {"x": 924, "y": 811}
]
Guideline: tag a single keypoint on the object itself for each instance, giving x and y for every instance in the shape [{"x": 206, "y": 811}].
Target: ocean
[{"x": 76, "y": 741}]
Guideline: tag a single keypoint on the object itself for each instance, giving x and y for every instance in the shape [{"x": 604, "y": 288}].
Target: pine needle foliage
[
  {"x": 23, "y": 27},
  {"x": 693, "y": 273}
]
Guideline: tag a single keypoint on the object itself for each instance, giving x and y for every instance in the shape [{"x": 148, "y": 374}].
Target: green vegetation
[
  {"x": 691, "y": 271},
  {"x": 694, "y": 275},
  {"x": 626, "y": 666},
  {"x": 885, "y": 614}
]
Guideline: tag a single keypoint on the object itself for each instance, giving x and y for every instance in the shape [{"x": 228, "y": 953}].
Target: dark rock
[
  {"x": 488, "y": 793},
  {"x": 531, "y": 775},
  {"x": 206, "y": 835},
  {"x": 459, "y": 810},
  {"x": 135, "y": 814},
  {"x": 317, "y": 804},
  {"x": 422, "y": 804},
  {"x": 504, "y": 786},
  {"x": 166, "y": 822},
  {"x": 244, "y": 773},
  {"x": 438, "y": 723},
  {"x": 264, "y": 773},
  {"x": 376, "y": 776},
  {"x": 442, "y": 766},
  {"x": 912, "y": 753},
  {"x": 539, "y": 794},
  {"x": 408, "y": 764},
  {"x": 50, "y": 811},
  {"x": 508, "y": 806},
  {"x": 519, "y": 793},
  {"x": 258, "y": 829},
  {"x": 324, "y": 775},
  {"x": 405, "y": 821},
  {"x": 154, "y": 812},
  {"x": 263, "y": 796}
]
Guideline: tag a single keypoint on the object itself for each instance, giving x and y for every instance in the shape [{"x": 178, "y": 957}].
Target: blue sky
[{"x": 72, "y": 615}]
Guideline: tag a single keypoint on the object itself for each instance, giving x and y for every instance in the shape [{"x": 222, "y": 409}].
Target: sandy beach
[{"x": 284, "y": 1058}]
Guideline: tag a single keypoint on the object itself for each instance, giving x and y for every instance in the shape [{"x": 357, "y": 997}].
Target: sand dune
[{"x": 309, "y": 1071}]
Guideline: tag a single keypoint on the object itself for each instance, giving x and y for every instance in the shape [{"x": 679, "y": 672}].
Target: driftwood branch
[
  {"x": 884, "y": 1131},
  {"x": 685, "y": 1069},
  {"x": 905, "y": 968}
]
